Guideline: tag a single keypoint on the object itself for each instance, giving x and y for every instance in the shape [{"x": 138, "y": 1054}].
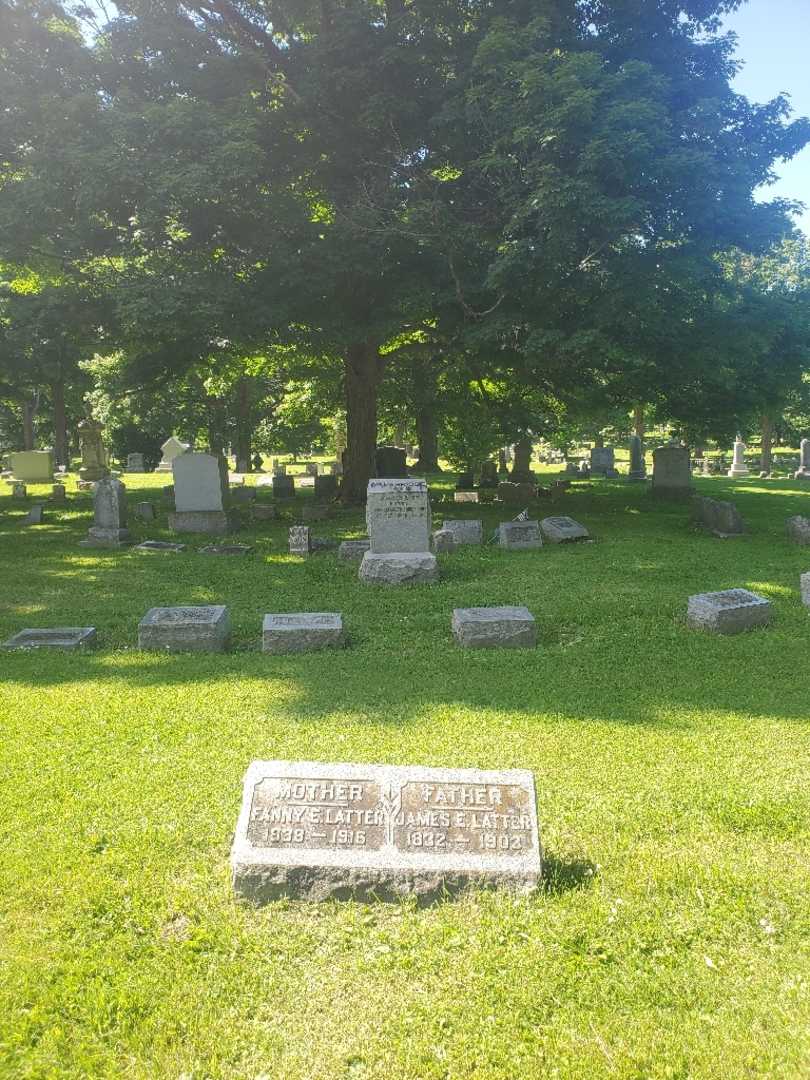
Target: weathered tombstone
[
  {"x": 145, "y": 511},
  {"x": 201, "y": 496},
  {"x": 798, "y": 529},
  {"x": 391, "y": 462},
  {"x": 57, "y": 637},
  {"x": 804, "y": 581},
  {"x": 803, "y": 472},
  {"x": 109, "y": 529},
  {"x": 159, "y": 545},
  {"x": 442, "y": 542},
  {"x": 19, "y": 490},
  {"x": 602, "y": 460},
  {"x": 706, "y": 469},
  {"x": 519, "y": 535},
  {"x": 465, "y": 481},
  {"x": 571, "y": 468},
  {"x": 135, "y": 463},
  {"x": 353, "y": 550},
  {"x": 563, "y": 530},
  {"x": 465, "y": 496},
  {"x": 326, "y": 486},
  {"x": 494, "y": 628},
  {"x": 516, "y": 494},
  {"x": 32, "y": 466},
  {"x": 263, "y": 512},
  {"x": 314, "y": 512},
  {"x": 242, "y": 496},
  {"x": 300, "y": 540},
  {"x": 719, "y": 518},
  {"x": 283, "y": 486},
  {"x": 729, "y": 611},
  {"x": 738, "y": 466},
  {"x": 59, "y": 494},
  {"x": 672, "y": 475},
  {"x": 171, "y": 449},
  {"x": 638, "y": 467},
  {"x": 34, "y": 515},
  {"x": 185, "y": 629},
  {"x": 398, "y": 518},
  {"x": 94, "y": 455},
  {"x": 464, "y": 531},
  {"x": 302, "y": 632},
  {"x": 489, "y": 475},
  {"x": 318, "y": 831}
]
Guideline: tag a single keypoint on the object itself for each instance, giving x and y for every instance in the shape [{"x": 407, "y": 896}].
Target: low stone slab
[
  {"x": 494, "y": 628},
  {"x": 464, "y": 531},
  {"x": 465, "y": 496},
  {"x": 721, "y": 519},
  {"x": 563, "y": 530},
  {"x": 34, "y": 515},
  {"x": 56, "y": 637},
  {"x": 443, "y": 542},
  {"x": 302, "y": 632},
  {"x": 728, "y": 612},
  {"x": 798, "y": 529},
  {"x": 159, "y": 545},
  {"x": 399, "y": 568},
  {"x": 214, "y": 522},
  {"x": 353, "y": 550},
  {"x": 519, "y": 535},
  {"x": 185, "y": 629},
  {"x": 321, "y": 831},
  {"x": 227, "y": 549}
]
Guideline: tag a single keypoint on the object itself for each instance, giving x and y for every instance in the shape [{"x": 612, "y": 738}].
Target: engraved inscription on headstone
[{"x": 373, "y": 831}]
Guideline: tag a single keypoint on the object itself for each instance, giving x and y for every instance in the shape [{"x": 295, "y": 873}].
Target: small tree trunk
[
  {"x": 243, "y": 433},
  {"x": 362, "y": 379},
  {"x": 428, "y": 435},
  {"x": 29, "y": 408},
  {"x": 599, "y": 441},
  {"x": 638, "y": 420},
  {"x": 60, "y": 439},
  {"x": 522, "y": 465},
  {"x": 766, "y": 429}
]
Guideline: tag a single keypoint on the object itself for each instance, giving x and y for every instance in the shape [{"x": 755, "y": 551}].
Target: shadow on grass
[{"x": 565, "y": 875}]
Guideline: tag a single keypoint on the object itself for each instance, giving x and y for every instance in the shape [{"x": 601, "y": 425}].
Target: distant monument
[
  {"x": 171, "y": 449},
  {"x": 109, "y": 529},
  {"x": 738, "y": 466},
  {"x": 94, "y": 456}
]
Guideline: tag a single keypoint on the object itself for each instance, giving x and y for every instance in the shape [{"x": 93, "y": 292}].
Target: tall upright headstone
[
  {"x": 672, "y": 475},
  {"x": 200, "y": 493},
  {"x": 32, "y": 466},
  {"x": 638, "y": 468},
  {"x": 399, "y": 519},
  {"x": 94, "y": 456},
  {"x": 738, "y": 466},
  {"x": 135, "y": 463},
  {"x": 803, "y": 471},
  {"x": 602, "y": 461},
  {"x": 171, "y": 449},
  {"x": 109, "y": 529}
]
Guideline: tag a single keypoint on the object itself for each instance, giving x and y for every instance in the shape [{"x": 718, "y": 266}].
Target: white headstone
[
  {"x": 738, "y": 466},
  {"x": 32, "y": 466},
  {"x": 200, "y": 482},
  {"x": 171, "y": 449}
]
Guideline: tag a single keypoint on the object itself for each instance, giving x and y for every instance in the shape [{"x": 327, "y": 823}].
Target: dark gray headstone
[
  {"x": 494, "y": 628},
  {"x": 185, "y": 629}
]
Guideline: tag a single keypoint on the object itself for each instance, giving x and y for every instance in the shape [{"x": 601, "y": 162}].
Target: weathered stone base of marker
[
  {"x": 721, "y": 519},
  {"x": 106, "y": 538},
  {"x": 185, "y": 629},
  {"x": 353, "y": 550},
  {"x": 494, "y": 628},
  {"x": 399, "y": 568},
  {"x": 57, "y": 637},
  {"x": 464, "y": 531},
  {"x": 214, "y": 522},
  {"x": 728, "y": 612},
  {"x": 798, "y": 529},
  {"x": 320, "y": 831},
  {"x": 302, "y": 632},
  {"x": 805, "y": 587},
  {"x": 519, "y": 535},
  {"x": 159, "y": 545},
  {"x": 563, "y": 530}
]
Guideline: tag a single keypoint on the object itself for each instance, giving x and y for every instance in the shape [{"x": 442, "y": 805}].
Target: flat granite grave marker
[
  {"x": 302, "y": 632},
  {"x": 159, "y": 545},
  {"x": 519, "y": 535},
  {"x": 57, "y": 637},
  {"x": 494, "y": 628},
  {"x": 464, "y": 531},
  {"x": 319, "y": 831},
  {"x": 563, "y": 530},
  {"x": 226, "y": 549},
  {"x": 729, "y": 611},
  {"x": 185, "y": 629}
]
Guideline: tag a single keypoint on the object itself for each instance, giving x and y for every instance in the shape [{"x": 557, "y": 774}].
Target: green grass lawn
[{"x": 671, "y": 938}]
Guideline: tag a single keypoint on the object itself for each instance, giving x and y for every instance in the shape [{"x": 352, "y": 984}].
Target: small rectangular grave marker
[
  {"x": 350, "y": 550},
  {"x": 318, "y": 831},
  {"x": 519, "y": 535},
  {"x": 729, "y": 611},
  {"x": 185, "y": 629},
  {"x": 34, "y": 515},
  {"x": 464, "y": 531},
  {"x": 561, "y": 530},
  {"x": 159, "y": 545},
  {"x": 226, "y": 549},
  {"x": 494, "y": 628},
  {"x": 302, "y": 632},
  {"x": 57, "y": 637},
  {"x": 300, "y": 540},
  {"x": 465, "y": 496}
]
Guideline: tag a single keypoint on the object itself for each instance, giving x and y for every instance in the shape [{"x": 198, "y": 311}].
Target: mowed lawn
[{"x": 671, "y": 938}]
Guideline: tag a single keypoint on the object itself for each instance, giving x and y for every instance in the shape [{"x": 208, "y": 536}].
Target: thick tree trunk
[
  {"x": 638, "y": 420},
  {"x": 427, "y": 433},
  {"x": 766, "y": 429},
  {"x": 243, "y": 432},
  {"x": 522, "y": 465},
  {"x": 60, "y": 439},
  {"x": 361, "y": 365}
]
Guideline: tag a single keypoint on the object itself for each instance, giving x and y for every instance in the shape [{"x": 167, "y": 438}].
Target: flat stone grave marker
[
  {"x": 351, "y": 550},
  {"x": 159, "y": 545},
  {"x": 227, "y": 549},
  {"x": 185, "y": 629},
  {"x": 465, "y": 496},
  {"x": 519, "y": 535},
  {"x": 56, "y": 637},
  {"x": 563, "y": 530},
  {"x": 34, "y": 515},
  {"x": 464, "y": 531},
  {"x": 729, "y": 611},
  {"x": 302, "y": 632},
  {"x": 494, "y": 627},
  {"x": 319, "y": 831}
]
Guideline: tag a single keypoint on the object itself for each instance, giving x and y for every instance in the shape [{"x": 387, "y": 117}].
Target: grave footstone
[
  {"x": 159, "y": 545},
  {"x": 798, "y": 529},
  {"x": 729, "y": 611},
  {"x": 672, "y": 474},
  {"x": 227, "y": 549},
  {"x": 135, "y": 463},
  {"x": 399, "y": 568},
  {"x": 465, "y": 496},
  {"x": 185, "y": 629},
  {"x": 201, "y": 496},
  {"x": 398, "y": 519},
  {"x": 638, "y": 468},
  {"x": 738, "y": 466},
  {"x": 563, "y": 530},
  {"x": 302, "y": 632},
  {"x": 32, "y": 466},
  {"x": 464, "y": 531},
  {"x": 721, "y": 519},
  {"x": 319, "y": 831},
  {"x": 353, "y": 550},
  {"x": 56, "y": 637},
  {"x": 300, "y": 540},
  {"x": 519, "y": 535},
  {"x": 494, "y": 628},
  {"x": 170, "y": 450},
  {"x": 34, "y": 515},
  {"x": 109, "y": 529}
]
